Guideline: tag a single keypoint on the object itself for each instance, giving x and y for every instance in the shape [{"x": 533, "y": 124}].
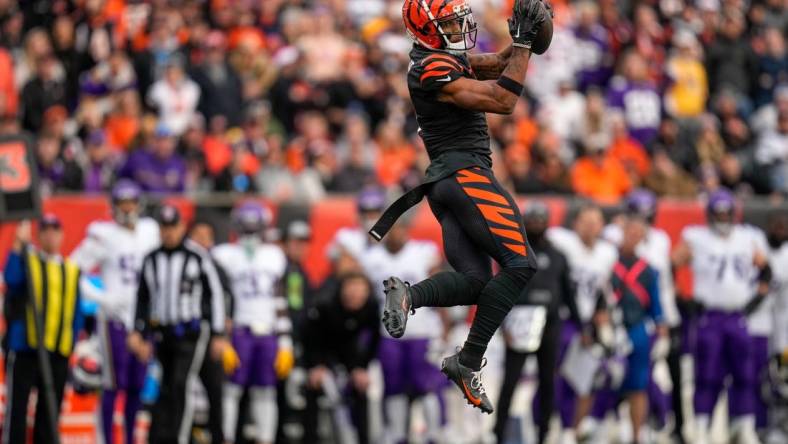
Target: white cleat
[
  {"x": 568, "y": 437},
  {"x": 748, "y": 436},
  {"x": 744, "y": 430}
]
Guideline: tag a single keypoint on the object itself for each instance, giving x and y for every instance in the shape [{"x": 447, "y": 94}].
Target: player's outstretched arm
[
  {"x": 501, "y": 96},
  {"x": 490, "y": 96},
  {"x": 490, "y": 66}
]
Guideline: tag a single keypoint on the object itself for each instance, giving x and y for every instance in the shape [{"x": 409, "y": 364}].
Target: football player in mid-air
[
  {"x": 451, "y": 91},
  {"x": 116, "y": 248}
]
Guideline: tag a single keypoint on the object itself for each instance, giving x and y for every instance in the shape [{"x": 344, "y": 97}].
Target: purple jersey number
[
  {"x": 739, "y": 264},
  {"x": 249, "y": 285},
  {"x": 642, "y": 108},
  {"x": 128, "y": 269}
]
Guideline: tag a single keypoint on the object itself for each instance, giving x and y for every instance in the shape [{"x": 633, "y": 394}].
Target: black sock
[
  {"x": 446, "y": 289},
  {"x": 494, "y": 303}
]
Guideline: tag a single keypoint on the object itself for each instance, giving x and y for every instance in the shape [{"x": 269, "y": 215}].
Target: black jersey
[{"x": 455, "y": 138}]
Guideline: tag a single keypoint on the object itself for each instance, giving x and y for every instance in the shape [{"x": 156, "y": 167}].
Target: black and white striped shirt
[{"x": 178, "y": 287}]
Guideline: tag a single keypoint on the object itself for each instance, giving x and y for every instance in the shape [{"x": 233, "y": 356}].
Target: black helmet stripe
[{"x": 412, "y": 23}]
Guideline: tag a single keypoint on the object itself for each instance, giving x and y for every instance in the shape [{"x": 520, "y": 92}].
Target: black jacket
[
  {"x": 336, "y": 336},
  {"x": 552, "y": 284}
]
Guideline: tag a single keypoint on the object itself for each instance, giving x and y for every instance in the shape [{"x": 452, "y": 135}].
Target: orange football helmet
[{"x": 446, "y": 25}]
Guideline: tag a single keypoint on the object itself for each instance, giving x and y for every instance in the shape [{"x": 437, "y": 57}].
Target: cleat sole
[{"x": 393, "y": 322}]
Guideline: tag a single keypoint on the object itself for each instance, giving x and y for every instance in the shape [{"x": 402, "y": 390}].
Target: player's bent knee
[
  {"x": 519, "y": 275},
  {"x": 509, "y": 283},
  {"x": 476, "y": 285}
]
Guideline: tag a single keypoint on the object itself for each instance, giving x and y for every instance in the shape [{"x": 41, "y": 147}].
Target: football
[{"x": 544, "y": 37}]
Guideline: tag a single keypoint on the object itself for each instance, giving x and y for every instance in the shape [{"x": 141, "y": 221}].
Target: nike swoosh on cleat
[
  {"x": 445, "y": 79},
  {"x": 474, "y": 401}
]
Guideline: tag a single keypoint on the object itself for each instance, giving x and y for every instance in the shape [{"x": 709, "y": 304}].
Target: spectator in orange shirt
[
  {"x": 123, "y": 123},
  {"x": 395, "y": 155},
  {"x": 627, "y": 149},
  {"x": 525, "y": 127},
  {"x": 216, "y": 147},
  {"x": 599, "y": 175}
]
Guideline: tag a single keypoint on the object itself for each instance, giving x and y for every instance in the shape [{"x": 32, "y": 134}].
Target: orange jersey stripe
[
  {"x": 429, "y": 74},
  {"x": 486, "y": 195},
  {"x": 443, "y": 58},
  {"x": 495, "y": 214},
  {"x": 439, "y": 64},
  {"x": 517, "y": 248},
  {"x": 467, "y": 176},
  {"x": 509, "y": 234}
]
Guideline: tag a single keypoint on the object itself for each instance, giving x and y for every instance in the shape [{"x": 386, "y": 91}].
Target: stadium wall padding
[{"x": 331, "y": 214}]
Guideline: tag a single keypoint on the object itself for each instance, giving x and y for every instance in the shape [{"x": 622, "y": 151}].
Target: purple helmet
[
  {"x": 371, "y": 199},
  {"x": 720, "y": 211},
  {"x": 721, "y": 202},
  {"x": 250, "y": 218},
  {"x": 125, "y": 190},
  {"x": 643, "y": 203}
]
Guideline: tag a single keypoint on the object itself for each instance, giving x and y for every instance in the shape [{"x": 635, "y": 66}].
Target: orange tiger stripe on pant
[{"x": 494, "y": 213}]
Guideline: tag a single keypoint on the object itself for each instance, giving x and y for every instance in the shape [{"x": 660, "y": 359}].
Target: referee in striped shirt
[{"x": 180, "y": 313}]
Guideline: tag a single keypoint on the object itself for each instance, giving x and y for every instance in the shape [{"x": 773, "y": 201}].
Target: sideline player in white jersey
[
  {"x": 349, "y": 243},
  {"x": 726, "y": 258},
  {"x": 260, "y": 323},
  {"x": 655, "y": 249},
  {"x": 778, "y": 408},
  {"x": 116, "y": 248},
  {"x": 408, "y": 371},
  {"x": 591, "y": 261}
]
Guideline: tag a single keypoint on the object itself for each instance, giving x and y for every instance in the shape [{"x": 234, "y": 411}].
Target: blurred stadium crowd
[{"x": 296, "y": 98}]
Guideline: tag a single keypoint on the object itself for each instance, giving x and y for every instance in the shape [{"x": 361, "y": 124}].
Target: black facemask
[
  {"x": 776, "y": 240},
  {"x": 536, "y": 236}
]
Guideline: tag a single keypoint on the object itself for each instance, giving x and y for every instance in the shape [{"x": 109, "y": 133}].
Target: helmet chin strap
[{"x": 448, "y": 45}]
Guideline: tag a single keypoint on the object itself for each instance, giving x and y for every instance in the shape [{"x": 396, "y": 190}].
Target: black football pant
[
  {"x": 22, "y": 374},
  {"x": 181, "y": 358},
  {"x": 674, "y": 365},
  {"x": 547, "y": 359},
  {"x": 212, "y": 377},
  {"x": 479, "y": 221},
  {"x": 355, "y": 401}
]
